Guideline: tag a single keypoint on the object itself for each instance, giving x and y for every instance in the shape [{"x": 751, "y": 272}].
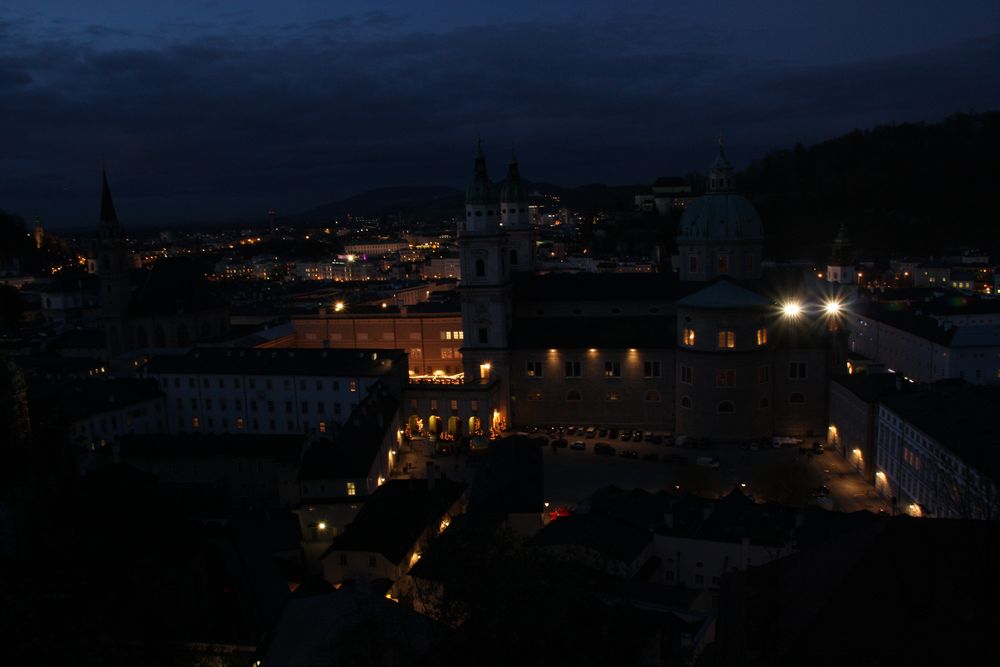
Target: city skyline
[{"x": 203, "y": 112}]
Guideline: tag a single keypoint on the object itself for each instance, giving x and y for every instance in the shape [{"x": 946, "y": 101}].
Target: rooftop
[
  {"x": 277, "y": 361},
  {"x": 396, "y": 515},
  {"x": 286, "y": 448},
  {"x": 598, "y": 287},
  {"x": 725, "y": 294}
]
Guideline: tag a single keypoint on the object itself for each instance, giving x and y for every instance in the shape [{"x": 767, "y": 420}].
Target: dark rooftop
[
  {"x": 350, "y": 451},
  {"x": 511, "y": 479},
  {"x": 870, "y": 387},
  {"x": 599, "y": 287},
  {"x": 285, "y": 448},
  {"x": 960, "y": 417},
  {"x": 616, "y": 539},
  {"x": 278, "y": 361},
  {"x": 175, "y": 285},
  {"x": 92, "y": 396},
  {"x": 396, "y": 515}
]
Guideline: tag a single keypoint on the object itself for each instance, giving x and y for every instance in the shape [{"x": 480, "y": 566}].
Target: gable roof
[{"x": 725, "y": 294}]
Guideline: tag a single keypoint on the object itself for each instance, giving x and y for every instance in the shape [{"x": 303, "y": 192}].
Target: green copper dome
[{"x": 720, "y": 216}]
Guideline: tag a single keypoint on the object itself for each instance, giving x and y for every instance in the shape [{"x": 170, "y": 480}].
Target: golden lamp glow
[
  {"x": 321, "y": 525},
  {"x": 791, "y": 309},
  {"x": 832, "y": 307},
  {"x": 338, "y": 307}
]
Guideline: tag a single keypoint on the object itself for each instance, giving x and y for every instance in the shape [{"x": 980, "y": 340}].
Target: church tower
[
  {"x": 485, "y": 286},
  {"x": 113, "y": 270},
  {"x": 840, "y": 270},
  {"x": 516, "y": 220}
]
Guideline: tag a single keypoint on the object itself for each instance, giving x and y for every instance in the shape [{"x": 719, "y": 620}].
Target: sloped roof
[
  {"x": 726, "y": 295},
  {"x": 395, "y": 516}
]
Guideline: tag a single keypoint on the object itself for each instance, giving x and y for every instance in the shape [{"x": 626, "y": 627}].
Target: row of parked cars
[
  {"x": 604, "y": 449},
  {"x": 606, "y": 433}
]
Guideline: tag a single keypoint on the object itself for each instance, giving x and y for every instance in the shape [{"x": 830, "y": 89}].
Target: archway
[
  {"x": 414, "y": 425},
  {"x": 475, "y": 426},
  {"x": 454, "y": 426},
  {"x": 433, "y": 426}
]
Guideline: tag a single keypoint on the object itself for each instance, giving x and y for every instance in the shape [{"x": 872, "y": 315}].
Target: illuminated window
[
  {"x": 534, "y": 369},
  {"x": 687, "y": 374},
  {"x": 727, "y": 407},
  {"x": 353, "y": 385},
  {"x": 689, "y": 336},
  {"x": 322, "y": 427},
  {"x": 725, "y": 377},
  {"x": 195, "y": 422},
  {"x": 614, "y": 396},
  {"x": 352, "y": 489},
  {"x": 762, "y": 336},
  {"x": 612, "y": 369},
  {"x": 727, "y": 339},
  {"x": 454, "y": 404},
  {"x": 239, "y": 423}
]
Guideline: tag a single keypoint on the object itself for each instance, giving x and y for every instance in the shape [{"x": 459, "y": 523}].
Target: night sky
[{"x": 208, "y": 110}]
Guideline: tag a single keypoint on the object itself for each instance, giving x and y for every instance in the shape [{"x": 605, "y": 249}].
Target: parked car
[
  {"x": 629, "y": 454},
  {"x": 570, "y": 430},
  {"x": 626, "y": 434},
  {"x": 591, "y": 432},
  {"x": 604, "y": 450},
  {"x": 637, "y": 436},
  {"x": 652, "y": 456},
  {"x": 578, "y": 445}
]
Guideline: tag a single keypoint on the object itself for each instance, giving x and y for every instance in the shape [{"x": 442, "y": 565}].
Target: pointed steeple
[
  {"x": 512, "y": 189},
  {"x": 481, "y": 190},
  {"x": 108, "y": 213}
]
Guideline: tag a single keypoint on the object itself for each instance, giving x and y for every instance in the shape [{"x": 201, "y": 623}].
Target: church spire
[
  {"x": 108, "y": 213},
  {"x": 720, "y": 174}
]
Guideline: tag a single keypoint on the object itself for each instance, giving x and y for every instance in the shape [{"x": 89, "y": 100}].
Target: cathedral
[{"x": 721, "y": 349}]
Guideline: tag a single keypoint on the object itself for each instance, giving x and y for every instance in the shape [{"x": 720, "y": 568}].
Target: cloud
[{"x": 227, "y": 123}]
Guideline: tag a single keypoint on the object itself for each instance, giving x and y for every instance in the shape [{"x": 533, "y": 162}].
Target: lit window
[
  {"x": 727, "y": 340},
  {"x": 534, "y": 369},
  {"x": 612, "y": 369},
  {"x": 195, "y": 422},
  {"x": 322, "y": 427},
  {"x": 354, "y": 385},
  {"x": 689, "y": 336},
  {"x": 614, "y": 396},
  {"x": 352, "y": 489},
  {"x": 762, "y": 336},
  {"x": 239, "y": 423}
]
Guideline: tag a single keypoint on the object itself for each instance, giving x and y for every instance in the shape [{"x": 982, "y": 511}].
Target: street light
[
  {"x": 832, "y": 307},
  {"x": 791, "y": 309}
]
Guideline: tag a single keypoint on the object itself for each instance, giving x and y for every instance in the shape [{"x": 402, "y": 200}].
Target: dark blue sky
[{"x": 210, "y": 109}]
